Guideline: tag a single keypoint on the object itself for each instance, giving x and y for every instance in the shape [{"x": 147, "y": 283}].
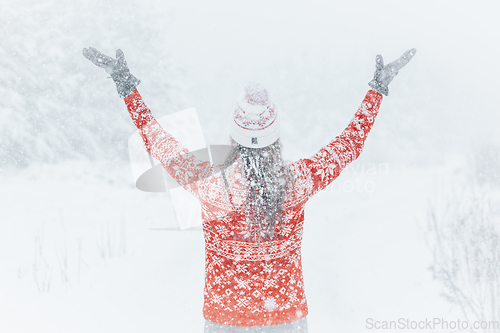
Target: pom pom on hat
[{"x": 255, "y": 122}]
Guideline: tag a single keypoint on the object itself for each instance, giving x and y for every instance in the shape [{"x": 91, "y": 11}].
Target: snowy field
[
  {"x": 78, "y": 253},
  {"x": 80, "y": 247}
]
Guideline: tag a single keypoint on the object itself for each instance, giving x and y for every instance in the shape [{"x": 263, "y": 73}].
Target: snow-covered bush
[{"x": 463, "y": 233}]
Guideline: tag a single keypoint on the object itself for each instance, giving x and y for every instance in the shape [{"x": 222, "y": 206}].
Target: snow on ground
[{"x": 77, "y": 253}]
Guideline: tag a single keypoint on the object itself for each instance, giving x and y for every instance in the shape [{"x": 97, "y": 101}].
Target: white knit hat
[{"x": 255, "y": 121}]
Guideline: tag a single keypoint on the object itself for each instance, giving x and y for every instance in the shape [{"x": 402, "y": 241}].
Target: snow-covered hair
[{"x": 267, "y": 182}]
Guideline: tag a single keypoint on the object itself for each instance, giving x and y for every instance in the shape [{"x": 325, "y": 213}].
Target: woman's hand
[
  {"x": 117, "y": 68},
  {"x": 385, "y": 74}
]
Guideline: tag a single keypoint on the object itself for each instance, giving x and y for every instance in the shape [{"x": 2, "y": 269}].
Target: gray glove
[
  {"x": 385, "y": 74},
  {"x": 125, "y": 82}
]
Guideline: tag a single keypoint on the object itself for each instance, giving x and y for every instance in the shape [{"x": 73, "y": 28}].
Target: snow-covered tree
[{"x": 53, "y": 104}]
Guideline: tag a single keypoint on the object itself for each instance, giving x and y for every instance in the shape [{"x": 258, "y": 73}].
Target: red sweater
[{"x": 250, "y": 284}]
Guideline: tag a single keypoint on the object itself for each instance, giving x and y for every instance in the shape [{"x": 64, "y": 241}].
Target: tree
[{"x": 54, "y": 105}]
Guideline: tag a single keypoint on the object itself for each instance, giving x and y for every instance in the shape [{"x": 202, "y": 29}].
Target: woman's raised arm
[
  {"x": 175, "y": 158},
  {"x": 318, "y": 171}
]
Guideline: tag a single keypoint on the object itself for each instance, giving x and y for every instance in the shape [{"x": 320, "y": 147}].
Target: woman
[{"x": 253, "y": 204}]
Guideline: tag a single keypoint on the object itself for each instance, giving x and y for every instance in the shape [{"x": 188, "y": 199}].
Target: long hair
[{"x": 267, "y": 181}]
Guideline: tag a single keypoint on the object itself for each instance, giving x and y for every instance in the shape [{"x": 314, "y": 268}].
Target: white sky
[{"x": 223, "y": 44}]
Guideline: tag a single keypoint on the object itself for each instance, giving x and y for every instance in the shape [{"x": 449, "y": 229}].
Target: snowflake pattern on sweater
[{"x": 248, "y": 283}]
